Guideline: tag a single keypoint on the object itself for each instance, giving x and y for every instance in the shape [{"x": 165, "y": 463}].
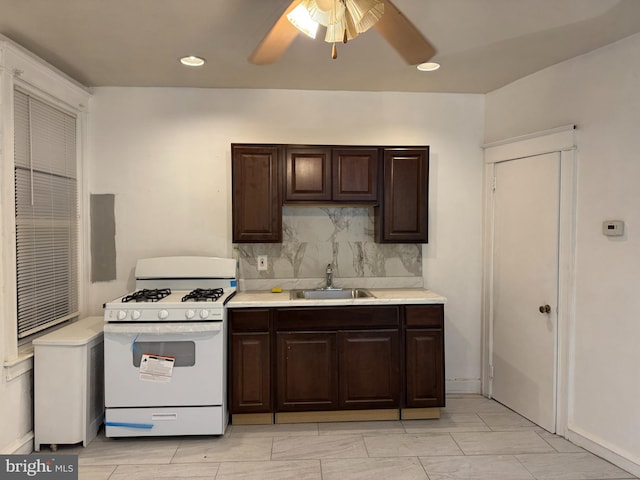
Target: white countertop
[
  {"x": 80, "y": 332},
  {"x": 382, "y": 296}
]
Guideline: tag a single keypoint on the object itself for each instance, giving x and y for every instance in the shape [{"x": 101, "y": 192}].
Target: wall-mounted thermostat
[{"x": 613, "y": 228}]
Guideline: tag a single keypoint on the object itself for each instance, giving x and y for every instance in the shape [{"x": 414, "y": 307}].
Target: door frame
[{"x": 561, "y": 140}]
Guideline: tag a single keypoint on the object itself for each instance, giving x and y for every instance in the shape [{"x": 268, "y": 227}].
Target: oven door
[{"x": 197, "y": 351}]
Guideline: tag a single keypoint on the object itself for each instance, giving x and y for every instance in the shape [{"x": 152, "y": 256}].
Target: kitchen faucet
[{"x": 329, "y": 277}]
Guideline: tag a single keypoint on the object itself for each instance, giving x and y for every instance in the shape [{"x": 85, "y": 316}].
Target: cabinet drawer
[
  {"x": 250, "y": 320},
  {"x": 431, "y": 316},
  {"x": 339, "y": 318}
]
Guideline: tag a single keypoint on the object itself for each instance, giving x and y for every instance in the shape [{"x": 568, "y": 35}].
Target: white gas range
[{"x": 166, "y": 349}]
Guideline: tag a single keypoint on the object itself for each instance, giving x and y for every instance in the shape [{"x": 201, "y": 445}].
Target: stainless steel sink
[{"x": 330, "y": 294}]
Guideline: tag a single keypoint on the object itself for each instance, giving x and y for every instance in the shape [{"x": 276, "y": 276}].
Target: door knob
[{"x": 544, "y": 309}]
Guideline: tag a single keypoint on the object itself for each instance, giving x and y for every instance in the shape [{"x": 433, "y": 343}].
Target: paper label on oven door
[{"x": 156, "y": 368}]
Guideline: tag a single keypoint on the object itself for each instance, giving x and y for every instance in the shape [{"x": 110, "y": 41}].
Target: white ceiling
[{"x": 481, "y": 44}]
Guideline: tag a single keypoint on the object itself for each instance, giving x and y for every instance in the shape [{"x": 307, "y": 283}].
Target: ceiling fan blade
[
  {"x": 403, "y": 36},
  {"x": 277, "y": 40}
]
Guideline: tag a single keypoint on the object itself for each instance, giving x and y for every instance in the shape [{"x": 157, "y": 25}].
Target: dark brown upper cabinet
[
  {"x": 308, "y": 173},
  {"x": 317, "y": 174},
  {"x": 355, "y": 175},
  {"x": 402, "y": 215},
  {"x": 393, "y": 179},
  {"x": 256, "y": 197}
]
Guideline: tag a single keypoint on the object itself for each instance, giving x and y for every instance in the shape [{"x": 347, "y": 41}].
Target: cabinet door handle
[{"x": 544, "y": 309}]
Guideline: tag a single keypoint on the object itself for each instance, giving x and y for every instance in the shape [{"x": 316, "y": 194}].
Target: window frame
[{"x": 23, "y": 70}]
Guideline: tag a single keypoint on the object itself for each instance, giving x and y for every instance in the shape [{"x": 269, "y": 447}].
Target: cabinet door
[
  {"x": 308, "y": 174},
  {"x": 424, "y": 368},
  {"x": 257, "y": 206},
  {"x": 402, "y": 217},
  {"x": 369, "y": 369},
  {"x": 307, "y": 371},
  {"x": 250, "y": 373},
  {"x": 355, "y": 175}
]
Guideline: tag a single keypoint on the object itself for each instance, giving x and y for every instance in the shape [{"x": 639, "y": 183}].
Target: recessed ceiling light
[
  {"x": 428, "y": 66},
  {"x": 192, "y": 61}
]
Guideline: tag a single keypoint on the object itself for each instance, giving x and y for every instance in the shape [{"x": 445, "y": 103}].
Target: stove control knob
[
  {"x": 163, "y": 314},
  {"x": 122, "y": 315},
  {"x": 135, "y": 315},
  {"x": 189, "y": 314},
  {"x": 204, "y": 314}
]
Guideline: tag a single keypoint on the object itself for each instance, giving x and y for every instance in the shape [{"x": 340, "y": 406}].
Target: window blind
[{"x": 46, "y": 206}]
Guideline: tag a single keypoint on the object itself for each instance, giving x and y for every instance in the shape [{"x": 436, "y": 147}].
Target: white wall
[
  {"x": 600, "y": 93},
  {"x": 165, "y": 154}
]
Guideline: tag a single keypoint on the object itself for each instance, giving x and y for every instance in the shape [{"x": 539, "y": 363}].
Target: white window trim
[{"x": 18, "y": 67}]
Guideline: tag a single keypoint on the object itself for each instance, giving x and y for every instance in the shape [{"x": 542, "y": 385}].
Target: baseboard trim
[
  {"x": 463, "y": 385},
  {"x": 597, "y": 446},
  {"x": 252, "y": 419},
  {"x": 337, "y": 416},
  {"x": 21, "y": 446}
]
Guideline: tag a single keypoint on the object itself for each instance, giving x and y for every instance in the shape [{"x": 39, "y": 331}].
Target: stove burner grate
[
  {"x": 203, "y": 295},
  {"x": 147, "y": 295}
]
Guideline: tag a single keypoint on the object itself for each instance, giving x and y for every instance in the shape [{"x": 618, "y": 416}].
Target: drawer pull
[{"x": 164, "y": 416}]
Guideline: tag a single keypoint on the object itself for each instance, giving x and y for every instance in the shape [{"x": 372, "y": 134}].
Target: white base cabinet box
[{"x": 69, "y": 384}]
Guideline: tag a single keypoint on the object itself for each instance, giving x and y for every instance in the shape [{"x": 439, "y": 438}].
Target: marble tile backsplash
[{"x": 342, "y": 236}]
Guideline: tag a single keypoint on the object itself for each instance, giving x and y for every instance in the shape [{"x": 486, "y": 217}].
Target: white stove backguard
[{"x": 183, "y": 270}]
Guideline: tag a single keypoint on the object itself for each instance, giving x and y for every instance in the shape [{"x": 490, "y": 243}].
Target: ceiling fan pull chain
[{"x": 334, "y": 51}]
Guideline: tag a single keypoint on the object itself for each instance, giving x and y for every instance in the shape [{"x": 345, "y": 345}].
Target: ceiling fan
[{"x": 344, "y": 20}]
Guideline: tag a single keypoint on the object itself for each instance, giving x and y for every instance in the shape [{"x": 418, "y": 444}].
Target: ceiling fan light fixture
[
  {"x": 343, "y": 18},
  {"x": 336, "y": 31},
  {"x": 428, "y": 67},
  {"x": 301, "y": 19},
  {"x": 192, "y": 61},
  {"x": 325, "y": 12},
  {"x": 365, "y": 13}
]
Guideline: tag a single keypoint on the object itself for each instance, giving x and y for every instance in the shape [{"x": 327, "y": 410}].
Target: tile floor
[{"x": 475, "y": 439}]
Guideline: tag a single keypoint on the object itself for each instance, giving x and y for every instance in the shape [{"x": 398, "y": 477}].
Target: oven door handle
[{"x": 163, "y": 328}]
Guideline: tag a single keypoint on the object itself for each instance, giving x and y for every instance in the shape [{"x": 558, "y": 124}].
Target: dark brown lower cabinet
[
  {"x": 336, "y": 358},
  {"x": 307, "y": 371},
  {"x": 251, "y": 390},
  {"x": 424, "y": 356},
  {"x": 250, "y": 362},
  {"x": 369, "y": 369}
]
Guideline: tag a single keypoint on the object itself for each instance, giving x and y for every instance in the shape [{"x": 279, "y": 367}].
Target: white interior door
[{"x": 525, "y": 286}]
